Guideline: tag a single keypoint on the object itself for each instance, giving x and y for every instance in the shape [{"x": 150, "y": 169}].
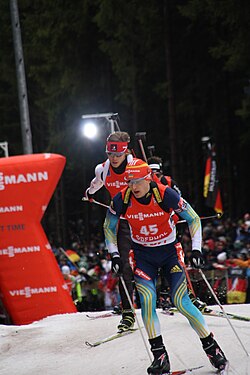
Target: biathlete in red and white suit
[
  {"x": 111, "y": 174},
  {"x": 154, "y": 245}
]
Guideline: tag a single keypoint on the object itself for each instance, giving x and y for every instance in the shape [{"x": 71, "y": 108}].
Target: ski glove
[
  {"x": 116, "y": 264},
  {"x": 88, "y": 195},
  {"x": 197, "y": 260}
]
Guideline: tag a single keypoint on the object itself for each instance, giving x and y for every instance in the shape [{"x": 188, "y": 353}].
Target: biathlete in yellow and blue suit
[{"x": 148, "y": 208}]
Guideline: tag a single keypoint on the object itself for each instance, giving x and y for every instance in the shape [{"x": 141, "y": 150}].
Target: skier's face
[
  {"x": 116, "y": 158},
  {"x": 139, "y": 187}
]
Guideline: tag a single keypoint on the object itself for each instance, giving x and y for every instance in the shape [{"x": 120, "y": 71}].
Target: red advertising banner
[{"x": 31, "y": 283}]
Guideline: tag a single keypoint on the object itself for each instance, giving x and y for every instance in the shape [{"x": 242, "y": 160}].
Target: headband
[
  {"x": 116, "y": 146},
  {"x": 155, "y": 166}
]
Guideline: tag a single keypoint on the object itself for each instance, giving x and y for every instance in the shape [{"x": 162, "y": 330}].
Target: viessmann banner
[{"x": 31, "y": 284}]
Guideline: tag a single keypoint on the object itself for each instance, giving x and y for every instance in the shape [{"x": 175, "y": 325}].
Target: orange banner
[{"x": 31, "y": 283}]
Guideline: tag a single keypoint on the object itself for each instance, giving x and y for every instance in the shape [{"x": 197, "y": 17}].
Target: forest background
[{"x": 177, "y": 69}]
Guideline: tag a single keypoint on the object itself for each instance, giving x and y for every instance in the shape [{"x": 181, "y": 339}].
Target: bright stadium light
[
  {"x": 89, "y": 130},
  {"x": 111, "y": 121}
]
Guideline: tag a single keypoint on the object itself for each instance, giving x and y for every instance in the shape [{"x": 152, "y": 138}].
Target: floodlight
[
  {"x": 89, "y": 130},
  {"x": 111, "y": 118}
]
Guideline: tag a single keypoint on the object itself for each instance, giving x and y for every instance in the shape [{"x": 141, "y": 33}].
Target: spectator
[
  {"x": 243, "y": 261},
  {"x": 70, "y": 279}
]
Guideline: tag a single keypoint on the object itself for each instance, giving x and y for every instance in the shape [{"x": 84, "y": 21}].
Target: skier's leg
[
  {"x": 180, "y": 298},
  {"x": 196, "y": 301},
  {"x": 145, "y": 273},
  {"x": 147, "y": 292},
  {"x": 124, "y": 245}
]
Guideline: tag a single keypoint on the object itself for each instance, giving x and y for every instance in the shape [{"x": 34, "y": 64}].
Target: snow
[{"x": 56, "y": 345}]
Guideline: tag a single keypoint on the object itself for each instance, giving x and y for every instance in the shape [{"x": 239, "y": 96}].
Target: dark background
[{"x": 178, "y": 70}]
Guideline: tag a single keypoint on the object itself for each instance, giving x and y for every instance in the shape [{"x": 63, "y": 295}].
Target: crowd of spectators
[
  {"x": 89, "y": 279},
  {"x": 226, "y": 245}
]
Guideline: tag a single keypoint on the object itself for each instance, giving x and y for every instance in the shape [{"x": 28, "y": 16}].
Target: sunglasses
[
  {"x": 112, "y": 154},
  {"x": 137, "y": 180}
]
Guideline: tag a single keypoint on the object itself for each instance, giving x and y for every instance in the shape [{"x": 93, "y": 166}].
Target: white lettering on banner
[
  {"x": 212, "y": 181},
  {"x": 11, "y": 251},
  {"x": 7, "y": 209},
  {"x": 27, "y": 292},
  {"x": 141, "y": 216},
  {"x": 22, "y": 178},
  {"x": 116, "y": 184}
]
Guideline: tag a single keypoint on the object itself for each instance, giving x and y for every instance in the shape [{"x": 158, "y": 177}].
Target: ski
[
  {"x": 101, "y": 315},
  {"x": 220, "y": 314},
  {"x": 184, "y": 371},
  {"x": 216, "y": 313},
  {"x": 110, "y": 338}
]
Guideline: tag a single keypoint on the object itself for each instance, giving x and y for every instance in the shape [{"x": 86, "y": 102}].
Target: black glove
[
  {"x": 196, "y": 259},
  {"x": 116, "y": 264}
]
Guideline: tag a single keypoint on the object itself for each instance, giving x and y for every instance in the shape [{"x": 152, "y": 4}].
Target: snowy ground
[{"x": 56, "y": 346}]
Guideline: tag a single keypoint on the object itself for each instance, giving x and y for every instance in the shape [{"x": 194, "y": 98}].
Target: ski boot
[
  {"x": 160, "y": 364},
  {"x": 165, "y": 301},
  {"x": 214, "y": 352},
  {"x": 127, "y": 322},
  {"x": 197, "y": 302},
  {"x": 117, "y": 310}
]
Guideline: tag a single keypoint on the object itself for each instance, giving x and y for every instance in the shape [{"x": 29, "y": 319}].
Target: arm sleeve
[
  {"x": 97, "y": 182},
  {"x": 111, "y": 224},
  {"x": 167, "y": 180},
  {"x": 175, "y": 186},
  {"x": 186, "y": 212}
]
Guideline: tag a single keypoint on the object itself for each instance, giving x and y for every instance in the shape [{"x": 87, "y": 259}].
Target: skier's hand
[
  {"x": 116, "y": 264},
  {"x": 197, "y": 260},
  {"x": 88, "y": 196}
]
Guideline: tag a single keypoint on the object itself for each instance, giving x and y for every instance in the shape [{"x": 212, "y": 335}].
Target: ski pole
[
  {"x": 136, "y": 318},
  {"x": 216, "y": 216},
  {"x": 84, "y": 199},
  {"x": 141, "y": 136},
  {"x": 222, "y": 309},
  {"x": 151, "y": 150},
  {"x": 189, "y": 282}
]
